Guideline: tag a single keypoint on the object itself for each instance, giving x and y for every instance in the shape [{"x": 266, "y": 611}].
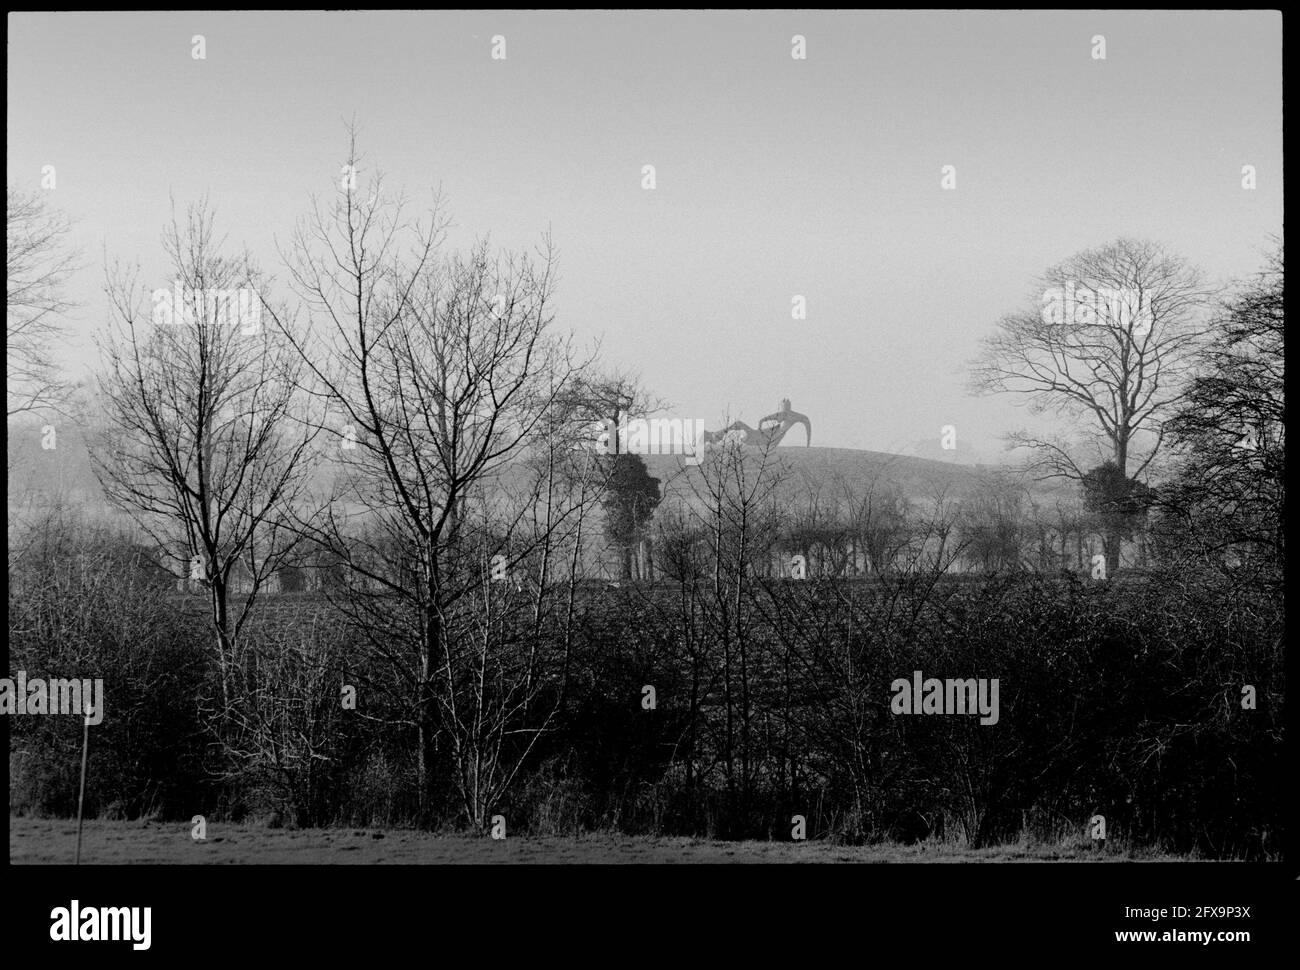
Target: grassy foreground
[{"x": 35, "y": 841}]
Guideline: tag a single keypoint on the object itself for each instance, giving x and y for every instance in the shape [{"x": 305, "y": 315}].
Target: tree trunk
[
  {"x": 427, "y": 718},
  {"x": 1112, "y": 542}
]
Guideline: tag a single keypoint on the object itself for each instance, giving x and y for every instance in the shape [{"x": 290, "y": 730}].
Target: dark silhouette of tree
[
  {"x": 1226, "y": 501},
  {"x": 631, "y": 496},
  {"x": 1117, "y": 504}
]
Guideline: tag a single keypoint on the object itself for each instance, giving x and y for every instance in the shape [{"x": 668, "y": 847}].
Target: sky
[{"x": 775, "y": 177}]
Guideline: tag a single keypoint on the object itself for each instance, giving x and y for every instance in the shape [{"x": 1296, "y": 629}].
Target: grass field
[{"x": 53, "y": 841}]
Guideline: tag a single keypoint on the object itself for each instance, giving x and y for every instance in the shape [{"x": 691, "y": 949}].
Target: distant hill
[
  {"x": 40, "y": 477},
  {"x": 919, "y": 479}
]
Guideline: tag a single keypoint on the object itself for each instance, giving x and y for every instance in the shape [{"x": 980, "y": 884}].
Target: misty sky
[{"x": 775, "y": 176}]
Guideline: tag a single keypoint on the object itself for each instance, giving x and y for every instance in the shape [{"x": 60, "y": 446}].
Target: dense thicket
[{"x": 1122, "y": 699}]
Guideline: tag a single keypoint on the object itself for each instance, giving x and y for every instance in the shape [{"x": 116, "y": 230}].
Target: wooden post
[{"x": 81, "y": 797}]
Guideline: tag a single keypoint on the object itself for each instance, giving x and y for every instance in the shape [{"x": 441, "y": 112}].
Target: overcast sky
[{"x": 775, "y": 177}]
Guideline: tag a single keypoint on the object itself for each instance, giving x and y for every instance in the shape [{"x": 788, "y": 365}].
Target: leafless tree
[
  {"x": 1108, "y": 351},
  {"x": 736, "y": 500},
  {"x": 442, "y": 378},
  {"x": 38, "y": 263},
  {"x": 199, "y": 436},
  {"x": 994, "y": 524},
  {"x": 878, "y": 516}
]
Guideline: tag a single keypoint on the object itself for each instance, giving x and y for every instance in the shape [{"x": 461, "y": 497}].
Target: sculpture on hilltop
[{"x": 770, "y": 430}]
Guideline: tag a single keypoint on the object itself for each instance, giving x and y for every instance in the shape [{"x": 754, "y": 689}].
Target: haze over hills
[
  {"x": 804, "y": 470},
  {"x": 41, "y": 477}
]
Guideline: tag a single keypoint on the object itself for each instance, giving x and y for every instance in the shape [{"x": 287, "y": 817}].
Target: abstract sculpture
[{"x": 770, "y": 430}]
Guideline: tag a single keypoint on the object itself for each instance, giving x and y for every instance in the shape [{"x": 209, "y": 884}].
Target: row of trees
[
  {"x": 405, "y": 414},
  {"x": 720, "y": 703}
]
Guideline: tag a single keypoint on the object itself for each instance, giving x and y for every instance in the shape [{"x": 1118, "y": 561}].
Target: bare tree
[
  {"x": 200, "y": 441},
  {"x": 607, "y": 399},
  {"x": 736, "y": 495},
  {"x": 1108, "y": 352},
  {"x": 441, "y": 374},
  {"x": 879, "y": 523},
  {"x": 597, "y": 408},
  {"x": 37, "y": 266},
  {"x": 995, "y": 526}
]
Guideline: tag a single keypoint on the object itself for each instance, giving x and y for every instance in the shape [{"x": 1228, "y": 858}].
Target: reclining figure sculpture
[{"x": 770, "y": 430}]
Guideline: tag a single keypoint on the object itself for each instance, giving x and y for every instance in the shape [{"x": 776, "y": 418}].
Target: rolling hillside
[{"x": 40, "y": 477}]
